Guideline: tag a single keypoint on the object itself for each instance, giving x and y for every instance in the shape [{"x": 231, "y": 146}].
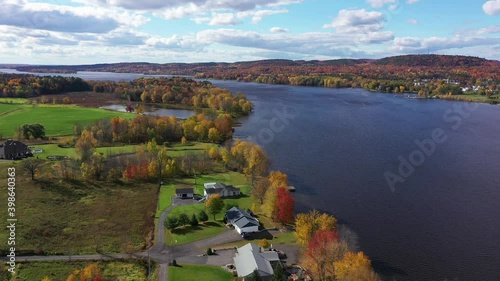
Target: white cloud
[
  {"x": 381, "y": 3},
  {"x": 413, "y": 21},
  {"x": 259, "y": 14},
  {"x": 412, "y": 1},
  {"x": 222, "y": 19},
  {"x": 349, "y": 21},
  {"x": 433, "y": 44},
  {"x": 277, "y": 29},
  {"x": 206, "y": 5},
  {"x": 65, "y": 18},
  {"x": 492, "y": 7}
]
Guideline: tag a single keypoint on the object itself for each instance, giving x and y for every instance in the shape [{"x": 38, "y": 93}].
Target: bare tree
[{"x": 31, "y": 166}]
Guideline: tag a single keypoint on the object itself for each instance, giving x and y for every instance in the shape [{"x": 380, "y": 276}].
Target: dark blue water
[{"x": 442, "y": 222}]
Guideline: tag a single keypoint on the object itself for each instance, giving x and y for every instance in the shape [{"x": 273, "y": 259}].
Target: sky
[{"x": 160, "y": 31}]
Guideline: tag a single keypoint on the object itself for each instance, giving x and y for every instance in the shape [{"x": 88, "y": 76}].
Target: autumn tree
[
  {"x": 264, "y": 243},
  {"x": 355, "y": 266},
  {"x": 93, "y": 168},
  {"x": 323, "y": 249},
  {"x": 284, "y": 206},
  {"x": 31, "y": 166},
  {"x": 276, "y": 179},
  {"x": 307, "y": 224},
  {"x": 260, "y": 189},
  {"x": 214, "y": 204},
  {"x": 86, "y": 144}
]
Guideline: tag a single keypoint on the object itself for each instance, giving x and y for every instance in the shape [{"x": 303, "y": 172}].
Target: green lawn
[
  {"x": 54, "y": 149},
  {"x": 187, "y": 272},
  {"x": 178, "y": 149},
  {"x": 7, "y": 108},
  {"x": 188, "y": 234},
  {"x": 110, "y": 270},
  {"x": 57, "y": 119},
  {"x": 60, "y": 217},
  {"x": 13, "y": 100}
]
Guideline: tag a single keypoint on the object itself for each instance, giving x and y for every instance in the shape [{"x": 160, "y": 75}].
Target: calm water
[
  {"x": 155, "y": 111},
  {"x": 442, "y": 222}
]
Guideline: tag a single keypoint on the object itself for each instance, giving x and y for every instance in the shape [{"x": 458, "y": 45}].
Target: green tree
[
  {"x": 183, "y": 219},
  {"x": 171, "y": 223},
  {"x": 202, "y": 216},
  {"x": 214, "y": 204},
  {"x": 193, "y": 221},
  {"x": 255, "y": 276},
  {"x": 279, "y": 273}
]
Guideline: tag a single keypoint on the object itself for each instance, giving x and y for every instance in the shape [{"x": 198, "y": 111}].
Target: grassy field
[
  {"x": 53, "y": 149},
  {"x": 57, "y": 119},
  {"x": 187, "y": 272},
  {"x": 13, "y": 100},
  {"x": 176, "y": 151},
  {"x": 56, "y": 271},
  {"x": 188, "y": 234},
  {"x": 60, "y": 217},
  {"x": 7, "y": 108}
]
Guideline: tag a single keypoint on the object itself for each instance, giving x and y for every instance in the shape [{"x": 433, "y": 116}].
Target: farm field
[{"x": 58, "y": 120}]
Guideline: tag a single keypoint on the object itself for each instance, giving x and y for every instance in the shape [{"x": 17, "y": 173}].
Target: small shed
[{"x": 184, "y": 193}]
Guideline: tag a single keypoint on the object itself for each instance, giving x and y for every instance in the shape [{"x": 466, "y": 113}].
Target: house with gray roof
[
  {"x": 12, "y": 149},
  {"x": 252, "y": 257},
  {"x": 221, "y": 189},
  {"x": 184, "y": 192},
  {"x": 242, "y": 221}
]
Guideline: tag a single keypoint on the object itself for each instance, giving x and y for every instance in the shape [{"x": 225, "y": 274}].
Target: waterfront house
[{"x": 221, "y": 189}]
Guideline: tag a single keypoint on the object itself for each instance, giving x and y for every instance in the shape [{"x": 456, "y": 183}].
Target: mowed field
[{"x": 57, "y": 119}]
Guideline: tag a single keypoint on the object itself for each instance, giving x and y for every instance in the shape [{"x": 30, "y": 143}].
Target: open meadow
[
  {"x": 73, "y": 217},
  {"x": 57, "y": 119}
]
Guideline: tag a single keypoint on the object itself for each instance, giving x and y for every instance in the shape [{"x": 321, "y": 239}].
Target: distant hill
[{"x": 431, "y": 61}]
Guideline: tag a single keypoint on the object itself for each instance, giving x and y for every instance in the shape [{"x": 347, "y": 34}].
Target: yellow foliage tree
[
  {"x": 89, "y": 272},
  {"x": 354, "y": 266},
  {"x": 264, "y": 243},
  {"x": 275, "y": 180},
  {"x": 307, "y": 224}
]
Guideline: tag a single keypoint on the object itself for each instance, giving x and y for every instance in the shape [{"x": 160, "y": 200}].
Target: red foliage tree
[
  {"x": 322, "y": 251},
  {"x": 284, "y": 205}
]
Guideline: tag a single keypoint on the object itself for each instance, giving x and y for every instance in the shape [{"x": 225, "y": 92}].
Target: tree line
[{"x": 26, "y": 86}]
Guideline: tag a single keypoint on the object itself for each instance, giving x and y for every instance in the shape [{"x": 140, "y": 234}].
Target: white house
[
  {"x": 242, "y": 221},
  {"x": 221, "y": 189},
  {"x": 251, "y": 257}
]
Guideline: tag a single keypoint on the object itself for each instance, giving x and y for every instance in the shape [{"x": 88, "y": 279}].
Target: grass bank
[{"x": 188, "y": 272}]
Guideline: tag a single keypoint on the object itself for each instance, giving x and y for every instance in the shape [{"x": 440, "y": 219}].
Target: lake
[
  {"x": 338, "y": 145},
  {"x": 154, "y": 111}
]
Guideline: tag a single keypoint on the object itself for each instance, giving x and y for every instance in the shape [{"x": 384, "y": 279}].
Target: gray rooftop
[
  {"x": 239, "y": 217},
  {"x": 250, "y": 257}
]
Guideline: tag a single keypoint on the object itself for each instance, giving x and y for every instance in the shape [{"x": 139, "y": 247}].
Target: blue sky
[{"x": 97, "y": 31}]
